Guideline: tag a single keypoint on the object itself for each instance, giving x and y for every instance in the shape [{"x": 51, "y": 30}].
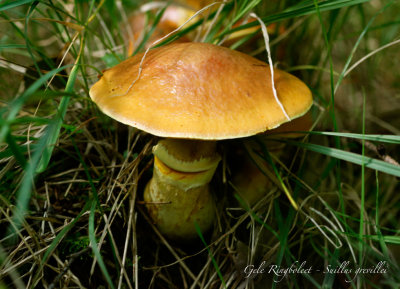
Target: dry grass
[{"x": 85, "y": 224}]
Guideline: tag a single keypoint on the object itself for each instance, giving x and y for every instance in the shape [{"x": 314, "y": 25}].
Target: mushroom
[
  {"x": 252, "y": 178},
  {"x": 173, "y": 17},
  {"x": 177, "y": 14},
  {"x": 193, "y": 94},
  {"x": 290, "y": 130}
]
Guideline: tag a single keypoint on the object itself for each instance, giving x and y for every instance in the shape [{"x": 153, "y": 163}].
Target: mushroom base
[{"x": 174, "y": 206}]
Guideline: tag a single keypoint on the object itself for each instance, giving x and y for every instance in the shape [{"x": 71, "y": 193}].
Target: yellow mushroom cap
[
  {"x": 199, "y": 91},
  {"x": 293, "y": 129}
]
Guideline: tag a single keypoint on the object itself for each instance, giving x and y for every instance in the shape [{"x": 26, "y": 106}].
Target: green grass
[{"x": 69, "y": 173}]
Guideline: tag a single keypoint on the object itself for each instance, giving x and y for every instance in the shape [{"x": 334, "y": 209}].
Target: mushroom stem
[
  {"x": 250, "y": 183},
  {"x": 178, "y": 194}
]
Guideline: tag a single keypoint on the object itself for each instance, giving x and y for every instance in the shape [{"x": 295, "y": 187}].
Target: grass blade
[
  {"x": 362, "y": 205},
  {"x": 12, "y": 4},
  {"x": 93, "y": 244},
  {"x": 55, "y": 243},
  {"x": 16, "y": 105},
  {"x": 302, "y": 9},
  {"x": 394, "y": 139},
  {"x": 25, "y": 190},
  {"x": 12, "y": 144},
  {"x": 59, "y": 118},
  {"x": 215, "y": 264},
  {"x": 351, "y": 157}
]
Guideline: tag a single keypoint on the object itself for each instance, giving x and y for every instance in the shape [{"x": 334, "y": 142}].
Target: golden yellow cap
[{"x": 199, "y": 91}]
